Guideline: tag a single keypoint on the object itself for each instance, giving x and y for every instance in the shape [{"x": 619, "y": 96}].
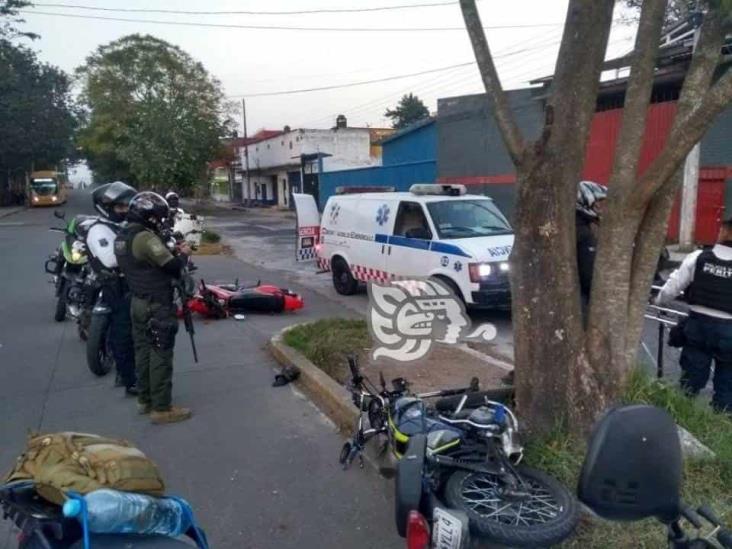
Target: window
[
  {"x": 290, "y": 145},
  {"x": 411, "y": 222},
  {"x": 467, "y": 218}
]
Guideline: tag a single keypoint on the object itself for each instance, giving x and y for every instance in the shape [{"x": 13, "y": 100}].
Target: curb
[
  {"x": 330, "y": 397},
  {"x": 11, "y": 211}
]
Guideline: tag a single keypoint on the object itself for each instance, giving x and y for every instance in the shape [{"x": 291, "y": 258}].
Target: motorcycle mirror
[
  {"x": 59, "y": 214},
  {"x": 382, "y": 381},
  {"x": 622, "y": 477},
  {"x": 474, "y": 384}
]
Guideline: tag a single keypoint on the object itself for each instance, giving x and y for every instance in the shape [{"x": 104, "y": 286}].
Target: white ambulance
[{"x": 431, "y": 231}]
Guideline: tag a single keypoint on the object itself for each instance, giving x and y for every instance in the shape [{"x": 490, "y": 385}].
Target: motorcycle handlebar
[{"x": 353, "y": 366}]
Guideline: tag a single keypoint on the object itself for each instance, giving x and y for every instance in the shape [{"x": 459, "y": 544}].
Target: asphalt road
[{"x": 258, "y": 464}]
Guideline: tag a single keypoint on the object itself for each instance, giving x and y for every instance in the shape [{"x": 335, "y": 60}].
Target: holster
[{"x": 162, "y": 332}]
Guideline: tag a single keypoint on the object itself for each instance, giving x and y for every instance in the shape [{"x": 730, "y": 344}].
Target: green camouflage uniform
[{"x": 154, "y": 319}]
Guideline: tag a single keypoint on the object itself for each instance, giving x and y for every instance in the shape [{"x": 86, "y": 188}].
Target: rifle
[{"x": 187, "y": 318}]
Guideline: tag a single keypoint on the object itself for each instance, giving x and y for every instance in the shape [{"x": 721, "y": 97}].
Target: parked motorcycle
[
  {"x": 459, "y": 465},
  {"x": 68, "y": 266},
  {"x": 42, "y": 525}
]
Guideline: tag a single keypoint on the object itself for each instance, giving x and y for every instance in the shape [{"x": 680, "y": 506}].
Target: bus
[{"x": 47, "y": 188}]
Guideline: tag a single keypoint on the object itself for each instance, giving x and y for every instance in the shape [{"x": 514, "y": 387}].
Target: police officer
[
  {"x": 150, "y": 269},
  {"x": 590, "y": 197},
  {"x": 112, "y": 201},
  {"x": 706, "y": 278}
]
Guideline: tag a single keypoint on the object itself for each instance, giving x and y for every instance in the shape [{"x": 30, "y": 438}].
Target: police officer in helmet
[
  {"x": 150, "y": 269},
  {"x": 112, "y": 201},
  {"x": 706, "y": 278}
]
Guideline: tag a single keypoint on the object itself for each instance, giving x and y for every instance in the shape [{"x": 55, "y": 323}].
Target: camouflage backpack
[{"x": 61, "y": 462}]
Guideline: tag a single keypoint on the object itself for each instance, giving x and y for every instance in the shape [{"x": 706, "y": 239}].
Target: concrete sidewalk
[{"x": 6, "y": 211}]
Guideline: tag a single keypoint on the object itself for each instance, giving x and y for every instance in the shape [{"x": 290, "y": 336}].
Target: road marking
[{"x": 12, "y": 223}]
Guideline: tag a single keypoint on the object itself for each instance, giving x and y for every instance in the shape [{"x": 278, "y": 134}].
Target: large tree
[
  {"x": 409, "y": 110},
  {"x": 36, "y": 109},
  {"x": 10, "y": 18},
  {"x": 154, "y": 115},
  {"x": 568, "y": 371}
]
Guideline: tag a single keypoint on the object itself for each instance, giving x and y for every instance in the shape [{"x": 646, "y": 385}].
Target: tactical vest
[
  {"x": 712, "y": 286},
  {"x": 145, "y": 279}
]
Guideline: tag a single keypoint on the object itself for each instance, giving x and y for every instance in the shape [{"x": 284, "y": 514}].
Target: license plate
[{"x": 447, "y": 530}]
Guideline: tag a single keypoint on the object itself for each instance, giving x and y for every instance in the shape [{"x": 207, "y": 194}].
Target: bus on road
[{"x": 47, "y": 188}]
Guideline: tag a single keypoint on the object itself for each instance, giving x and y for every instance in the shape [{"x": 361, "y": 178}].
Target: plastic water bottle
[{"x": 113, "y": 512}]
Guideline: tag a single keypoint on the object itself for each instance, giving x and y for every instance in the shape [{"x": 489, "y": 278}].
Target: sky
[{"x": 261, "y": 61}]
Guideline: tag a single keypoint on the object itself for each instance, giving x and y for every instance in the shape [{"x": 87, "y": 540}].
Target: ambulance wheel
[
  {"x": 343, "y": 280},
  {"x": 451, "y": 286}
]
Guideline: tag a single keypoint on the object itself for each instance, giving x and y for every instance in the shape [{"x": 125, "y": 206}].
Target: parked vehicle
[
  {"x": 633, "y": 471},
  {"x": 47, "y": 188},
  {"x": 431, "y": 231},
  {"x": 459, "y": 465},
  {"x": 68, "y": 266}
]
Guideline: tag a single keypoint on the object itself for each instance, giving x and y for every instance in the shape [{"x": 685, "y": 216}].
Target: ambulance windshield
[{"x": 467, "y": 219}]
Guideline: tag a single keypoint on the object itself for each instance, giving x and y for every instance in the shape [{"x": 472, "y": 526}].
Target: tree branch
[
  {"x": 697, "y": 107},
  {"x": 497, "y": 97},
  {"x": 637, "y": 98}
]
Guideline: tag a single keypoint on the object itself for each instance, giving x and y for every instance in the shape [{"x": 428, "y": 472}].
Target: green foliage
[
  {"x": 210, "y": 237},
  {"x": 9, "y": 18},
  {"x": 36, "y": 110},
  {"x": 705, "y": 481},
  {"x": 410, "y": 109},
  {"x": 327, "y": 342},
  {"x": 154, "y": 115}
]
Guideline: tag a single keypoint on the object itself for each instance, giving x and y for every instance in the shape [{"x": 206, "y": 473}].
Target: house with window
[{"x": 293, "y": 159}]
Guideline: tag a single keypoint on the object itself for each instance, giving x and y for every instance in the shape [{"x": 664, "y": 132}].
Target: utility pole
[
  {"x": 690, "y": 186},
  {"x": 246, "y": 145}
]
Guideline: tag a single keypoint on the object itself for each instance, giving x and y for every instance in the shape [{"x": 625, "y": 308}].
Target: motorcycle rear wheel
[
  {"x": 548, "y": 516},
  {"x": 98, "y": 352}
]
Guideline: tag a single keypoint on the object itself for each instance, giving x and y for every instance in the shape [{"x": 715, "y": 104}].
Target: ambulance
[{"x": 433, "y": 230}]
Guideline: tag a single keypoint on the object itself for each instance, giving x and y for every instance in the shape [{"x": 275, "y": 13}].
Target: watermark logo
[{"x": 407, "y": 317}]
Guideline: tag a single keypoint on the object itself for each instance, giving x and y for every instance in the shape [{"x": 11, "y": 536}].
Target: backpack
[{"x": 62, "y": 462}]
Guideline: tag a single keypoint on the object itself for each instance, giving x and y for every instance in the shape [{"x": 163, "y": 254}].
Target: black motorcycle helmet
[
  {"x": 173, "y": 200},
  {"x": 106, "y": 197},
  {"x": 149, "y": 209}
]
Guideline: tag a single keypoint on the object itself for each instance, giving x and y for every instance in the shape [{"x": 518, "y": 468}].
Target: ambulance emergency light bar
[
  {"x": 364, "y": 189},
  {"x": 430, "y": 188}
]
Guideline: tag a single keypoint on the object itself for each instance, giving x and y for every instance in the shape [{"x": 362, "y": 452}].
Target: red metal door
[{"x": 710, "y": 205}]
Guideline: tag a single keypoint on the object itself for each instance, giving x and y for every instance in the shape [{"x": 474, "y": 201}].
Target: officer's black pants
[
  {"x": 120, "y": 335},
  {"x": 708, "y": 340}
]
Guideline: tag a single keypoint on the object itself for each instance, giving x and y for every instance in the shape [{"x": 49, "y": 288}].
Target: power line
[
  {"x": 280, "y": 27},
  {"x": 352, "y": 84},
  {"x": 247, "y": 12},
  {"x": 378, "y": 80}
]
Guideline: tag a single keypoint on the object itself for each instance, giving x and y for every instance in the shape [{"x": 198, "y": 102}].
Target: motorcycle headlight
[
  {"x": 53, "y": 199},
  {"x": 35, "y": 199},
  {"x": 76, "y": 255}
]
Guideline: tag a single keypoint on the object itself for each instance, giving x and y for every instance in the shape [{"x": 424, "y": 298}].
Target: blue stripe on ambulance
[{"x": 419, "y": 244}]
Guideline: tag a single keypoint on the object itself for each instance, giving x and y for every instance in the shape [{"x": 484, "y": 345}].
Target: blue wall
[
  {"x": 401, "y": 176},
  {"x": 411, "y": 145},
  {"x": 409, "y": 157}
]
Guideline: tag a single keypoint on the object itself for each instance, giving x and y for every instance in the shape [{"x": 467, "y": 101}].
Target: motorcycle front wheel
[
  {"x": 545, "y": 516},
  {"x": 59, "y": 314},
  {"x": 98, "y": 350}
]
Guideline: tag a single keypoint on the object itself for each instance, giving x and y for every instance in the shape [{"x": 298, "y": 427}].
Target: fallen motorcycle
[
  {"x": 460, "y": 465},
  {"x": 223, "y": 300}
]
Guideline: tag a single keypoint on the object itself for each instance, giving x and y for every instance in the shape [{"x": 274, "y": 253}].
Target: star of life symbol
[
  {"x": 335, "y": 210},
  {"x": 382, "y": 214},
  {"x": 407, "y": 317}
]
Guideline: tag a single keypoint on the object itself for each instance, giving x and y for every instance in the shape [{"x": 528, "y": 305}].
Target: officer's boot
[{"x": 172, "y": 415}]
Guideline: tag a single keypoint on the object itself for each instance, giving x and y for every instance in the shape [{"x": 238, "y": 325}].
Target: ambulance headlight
[
  {"x": 504, "y": 267},
  {"x": 479, "y": 271},
  {"x": 35, "y": 199},
  {"x": 53, "y": 199}
]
